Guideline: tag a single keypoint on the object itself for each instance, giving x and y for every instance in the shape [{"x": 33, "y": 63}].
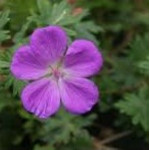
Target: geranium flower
[{"x": 57, "y": 73}]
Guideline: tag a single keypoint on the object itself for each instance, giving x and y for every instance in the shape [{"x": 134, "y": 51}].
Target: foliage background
[{"x": 120, "y": 119}]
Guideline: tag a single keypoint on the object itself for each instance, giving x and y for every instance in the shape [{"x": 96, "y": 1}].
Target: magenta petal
[
  {"x": 25, "y": 65},
  {"x": 78, "y": 94},
  {"x": 49, "y": 43},
  {"x": 41, "y": 98},
  {"x": 83, "y": 59}
]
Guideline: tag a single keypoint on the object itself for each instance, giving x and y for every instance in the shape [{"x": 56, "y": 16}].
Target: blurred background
[{"x": 120, "y": 121}]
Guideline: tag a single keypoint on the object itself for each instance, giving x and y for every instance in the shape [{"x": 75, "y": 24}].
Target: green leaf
[
  {"x": 144, "y": 66},
  {"x": 19, "y": 36},
  {"x": 5, "y": 59},
  {"x": 86, "y": 30},
  {"x": 139, "y": 48},
  {"x": 17, "y": 85},
  {"x": 64, "y": 126},
  {"x": 59, "y": 12},
  {"x": 44, "y": 7},
  {"x": 70, "y": 32},
  {"x": 6, "y": 99},
  {"x": 4, "y": 18},
  {"x": 44, "y": 147},
  {"x": 4, "y": 64},
  {"x": 20, "y": 10},
  {"x": 137, "y": 107},
  {"x": 83, "y": 142}
]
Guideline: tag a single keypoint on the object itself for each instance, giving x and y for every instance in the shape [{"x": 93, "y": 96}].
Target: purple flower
[{"x": 58, "y": 74}]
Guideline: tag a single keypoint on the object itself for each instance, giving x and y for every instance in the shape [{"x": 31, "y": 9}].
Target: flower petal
[
  {"x": 83, "y": 59},
  {"x": 49, "y": 43},
  {"x": 41, "y": 97},
  {"x": 78, "y": 94},
  {"x": 25, "y": 65}
]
